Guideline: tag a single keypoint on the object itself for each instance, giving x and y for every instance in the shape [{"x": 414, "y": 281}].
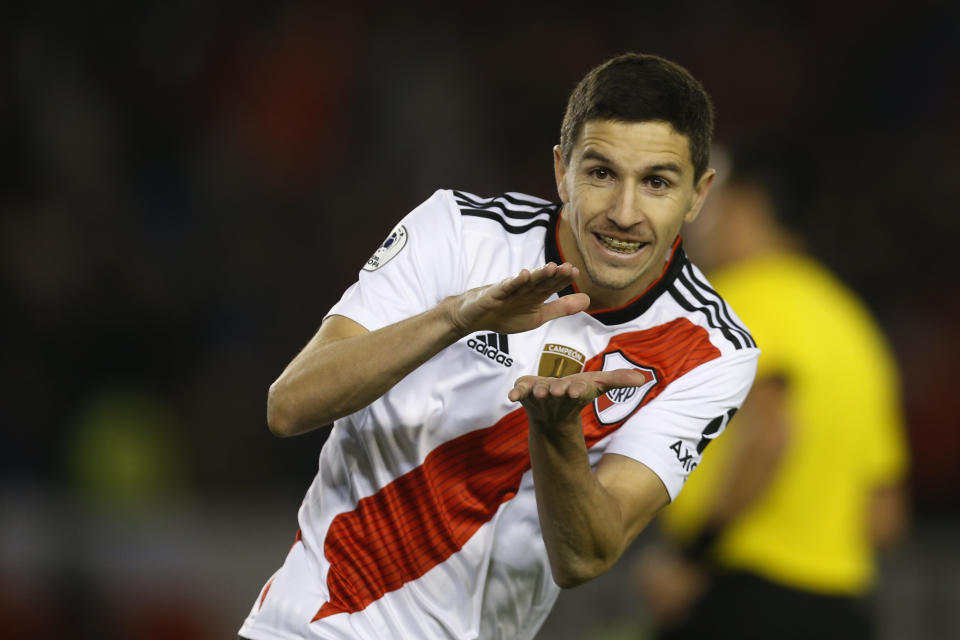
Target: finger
[
  {"x": 559, "y": 387},
  {"x": 549, "y": 278},
  {"x": 576, "y": 388},
  {"x": 544, "y": 273},
  {"x": 566, "y": 271},
  {"x": 618, "y": 379},
  {"x": 565, "y": 306},
  {"x": 541, "y": 388},
  {"x": 509, "y": 286},
  {"x": 562, "y": 277},
  {"x": 521, "y": 388},
  {"x": 555, "y": 277},
  {"x": 542, "y": 281}
]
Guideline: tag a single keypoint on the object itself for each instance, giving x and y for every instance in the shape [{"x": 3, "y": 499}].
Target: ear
[
  {"x": 560, "y": 174},
  {"x": 700, "y": 195}
]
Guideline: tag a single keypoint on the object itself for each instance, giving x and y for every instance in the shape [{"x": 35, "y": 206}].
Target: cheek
[
  {"x": 591, "y": 203},
  {"x": 581, "y": 222},
  {"x": 668, "y": 223},
  {"x": 576, "y": 223}
]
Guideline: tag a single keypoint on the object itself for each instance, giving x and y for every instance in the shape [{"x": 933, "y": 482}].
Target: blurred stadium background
[{"x": 186, "y": 188}]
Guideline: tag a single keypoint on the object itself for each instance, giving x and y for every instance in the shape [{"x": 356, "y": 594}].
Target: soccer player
[
  {"x": 518, "y": 386},
  {"x": 779, "y": 527}
]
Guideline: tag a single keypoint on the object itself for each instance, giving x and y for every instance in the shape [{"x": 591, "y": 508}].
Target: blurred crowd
[{"x": 187, "y": 187}]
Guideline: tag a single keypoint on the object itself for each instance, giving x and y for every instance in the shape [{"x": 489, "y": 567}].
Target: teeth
[{"x": 620, "y": 245}]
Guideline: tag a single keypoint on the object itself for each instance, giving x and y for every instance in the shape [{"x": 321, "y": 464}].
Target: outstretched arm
[
  {"x": 588, "y": 519},
  {"x": 672, "y": 578},
  {"x": 759, "y": 438},
  {"x": 344, "y": 367}
]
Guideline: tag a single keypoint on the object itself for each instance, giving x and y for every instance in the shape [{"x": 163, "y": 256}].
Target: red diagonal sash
[{"x": 426, "y": 515}]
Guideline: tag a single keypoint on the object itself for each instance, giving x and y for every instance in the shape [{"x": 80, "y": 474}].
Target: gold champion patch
[{"x": 558, "y": 361}]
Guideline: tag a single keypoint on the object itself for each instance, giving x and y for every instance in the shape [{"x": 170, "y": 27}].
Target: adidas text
[{"x": 488, "y": 345}]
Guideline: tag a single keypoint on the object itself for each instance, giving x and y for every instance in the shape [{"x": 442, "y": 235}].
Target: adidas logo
[{"x": 492, "y": 345}]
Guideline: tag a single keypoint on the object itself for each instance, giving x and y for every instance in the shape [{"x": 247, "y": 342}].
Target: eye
[
  {"x": 600, "y": 173},
  {"x": 657, "y": 183}
]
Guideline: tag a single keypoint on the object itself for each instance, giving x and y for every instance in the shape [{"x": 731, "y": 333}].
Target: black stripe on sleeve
[
  {"x": 703, "y": 307},
  {"x": 721, "y": 305},
  {"x": 525, "y": 200},
  {"x": 519, "y": 199},
  {"x": 472, "y": 203},
  {"x": 545, "y": 223}
]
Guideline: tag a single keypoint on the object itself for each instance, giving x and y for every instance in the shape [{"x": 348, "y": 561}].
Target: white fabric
[{"x": 498, "y": 585}]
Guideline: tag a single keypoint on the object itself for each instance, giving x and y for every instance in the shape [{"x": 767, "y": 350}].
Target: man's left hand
[{"x": 551, "y": 401}]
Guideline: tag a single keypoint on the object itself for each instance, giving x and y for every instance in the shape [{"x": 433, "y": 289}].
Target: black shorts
[{"x": 744, "y": 606}]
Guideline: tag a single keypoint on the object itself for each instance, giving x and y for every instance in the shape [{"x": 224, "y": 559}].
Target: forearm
[
  {"x": 582, "y": 525},
  {"x": 889, "y": 516},
  {"x": 748, "y": 474},
  {"x": 751, "y": 472},
  {"x": 760, "y": 438},
  {"x": 587, "y": 518},
  {"x": 334, "y": 377},
  {"x": 343, "y": 370}
]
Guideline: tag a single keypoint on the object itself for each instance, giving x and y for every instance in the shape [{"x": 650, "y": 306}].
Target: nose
[{"x": 626, "y": 210}]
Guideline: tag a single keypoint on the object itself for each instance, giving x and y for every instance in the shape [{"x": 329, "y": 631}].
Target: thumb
[{"x": 565, "y": 306}]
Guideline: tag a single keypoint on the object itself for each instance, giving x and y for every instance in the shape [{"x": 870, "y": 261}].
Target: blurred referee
[{"x": 775, "y": 534}]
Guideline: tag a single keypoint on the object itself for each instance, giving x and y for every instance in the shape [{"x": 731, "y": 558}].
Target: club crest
[{"x": 617, "y": 404}]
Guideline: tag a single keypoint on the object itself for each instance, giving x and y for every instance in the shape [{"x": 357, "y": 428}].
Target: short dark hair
[{"x": 640, "y": 88}]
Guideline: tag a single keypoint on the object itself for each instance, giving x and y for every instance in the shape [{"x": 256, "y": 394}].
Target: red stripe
[
  {"x": 426, "y": 515},
  {"x": 266, "y": 589}
]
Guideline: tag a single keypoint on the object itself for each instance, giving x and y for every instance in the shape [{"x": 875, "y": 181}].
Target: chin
[{"x": 612, "y": 280}]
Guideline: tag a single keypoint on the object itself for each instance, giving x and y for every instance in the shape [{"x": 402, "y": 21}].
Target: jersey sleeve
[
  {"x": 671, "y": 432},
  {"x": 419, "y": 264}
]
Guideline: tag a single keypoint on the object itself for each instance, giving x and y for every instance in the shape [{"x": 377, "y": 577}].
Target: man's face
[{"x": 626, "y": 192}]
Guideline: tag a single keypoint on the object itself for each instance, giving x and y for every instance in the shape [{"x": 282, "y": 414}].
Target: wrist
[
  {"x": 455, "y": 325},
  {"x": 560, "y": 433}
]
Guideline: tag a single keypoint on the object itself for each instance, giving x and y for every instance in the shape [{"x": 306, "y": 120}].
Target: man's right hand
[
  {"x": 669, "y": 584},
  {"x": 517, "y": 304}
]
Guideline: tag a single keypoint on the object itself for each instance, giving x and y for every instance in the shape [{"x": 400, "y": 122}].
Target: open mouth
[{"x": 620, "y": 246}]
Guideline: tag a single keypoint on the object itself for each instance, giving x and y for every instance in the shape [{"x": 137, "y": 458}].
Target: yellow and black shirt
[{"x": 809, "y": 530}]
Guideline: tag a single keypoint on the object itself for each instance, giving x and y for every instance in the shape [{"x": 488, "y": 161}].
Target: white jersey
[{"x": 422, "y": 521}]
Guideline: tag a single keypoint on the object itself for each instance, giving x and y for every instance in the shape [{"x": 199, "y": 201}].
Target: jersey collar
[{"x": 638, "y": 305}]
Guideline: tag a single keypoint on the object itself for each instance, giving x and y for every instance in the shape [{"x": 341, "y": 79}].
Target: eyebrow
[
  {"x": 667, "y": 166},
  {"x": 591, "y": 154}
]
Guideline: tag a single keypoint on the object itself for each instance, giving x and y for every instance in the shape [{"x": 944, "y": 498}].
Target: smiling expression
[{"x": 627, "y": 190}]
